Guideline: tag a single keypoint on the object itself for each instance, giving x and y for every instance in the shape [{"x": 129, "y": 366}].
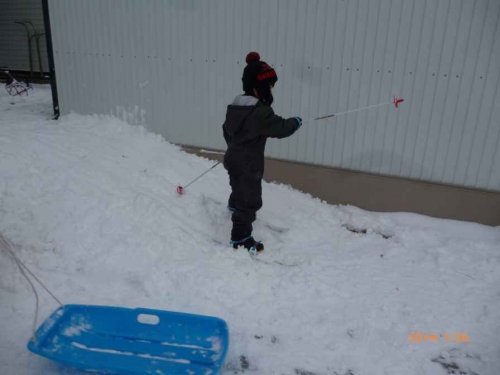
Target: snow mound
[{"x": 90, "y": 204}]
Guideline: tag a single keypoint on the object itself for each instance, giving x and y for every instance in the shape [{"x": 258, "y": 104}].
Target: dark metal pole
[{"x": 50, "y": 55}]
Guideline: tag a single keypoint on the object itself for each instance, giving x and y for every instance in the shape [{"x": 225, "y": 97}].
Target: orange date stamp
[{"x": 433, "y": 337}]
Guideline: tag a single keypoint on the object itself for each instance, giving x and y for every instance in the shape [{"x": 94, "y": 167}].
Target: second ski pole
[
  {"x": 182, "y": 189},
  {"x": 396, "y": 101}
]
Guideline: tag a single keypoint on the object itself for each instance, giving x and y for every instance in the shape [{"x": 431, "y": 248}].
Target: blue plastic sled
[{"x": 116, "y": 340}]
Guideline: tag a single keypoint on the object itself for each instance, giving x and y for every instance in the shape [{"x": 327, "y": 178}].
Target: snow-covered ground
[{"x": 90, "y": 206}]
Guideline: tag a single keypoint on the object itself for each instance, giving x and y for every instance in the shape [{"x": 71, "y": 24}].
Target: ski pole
[
  {"x": 181, "y": 189},
  {"x": 395, "y": 101}
]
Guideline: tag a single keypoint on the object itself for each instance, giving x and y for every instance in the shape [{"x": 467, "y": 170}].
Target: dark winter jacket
[{"x": 248, "y": 125}]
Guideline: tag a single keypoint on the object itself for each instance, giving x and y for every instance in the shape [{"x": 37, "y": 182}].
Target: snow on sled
[{"x": 117, "y": 340}]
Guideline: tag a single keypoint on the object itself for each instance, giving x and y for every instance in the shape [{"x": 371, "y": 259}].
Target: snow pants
[{"x": 245, "y": 178}]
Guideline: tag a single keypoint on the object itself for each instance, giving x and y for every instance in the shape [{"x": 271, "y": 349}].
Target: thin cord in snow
[{"x": 5, "y": 244}]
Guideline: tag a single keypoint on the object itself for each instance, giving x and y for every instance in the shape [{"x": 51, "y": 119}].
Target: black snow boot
[{"x": 249, "y": 243}]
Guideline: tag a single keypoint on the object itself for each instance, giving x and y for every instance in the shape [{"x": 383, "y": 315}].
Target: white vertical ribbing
[
  {"x": 373, "y": 79},
  {"x": 363, "y": 70},
  {"x": 448, "y": 110},
  {"x": 391, "y": 62},
  {"x": 473, "y": 42},
  {"x": 487, "y": 144},
  {"x": 336, "y": 130},
  {"x": 405, "y": 71},
  {"x": 352, "y": 94},
  {"x": 180, "y": 62},
  {"x": 434, "y": 90},
  {"x": 383, "y": 69},
  {"x": 481, "y": 64}
]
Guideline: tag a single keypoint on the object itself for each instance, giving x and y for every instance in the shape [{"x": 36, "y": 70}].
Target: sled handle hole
[{"x": 148, "y": 319}]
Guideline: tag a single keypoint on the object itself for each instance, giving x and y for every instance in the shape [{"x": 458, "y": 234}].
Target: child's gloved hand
[{"x": 299, "y": 121}]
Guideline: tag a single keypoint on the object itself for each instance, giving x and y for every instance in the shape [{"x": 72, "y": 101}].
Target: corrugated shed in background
[
  {"x": 14, "y": 52},
  {"x": 175, "y": 65}
]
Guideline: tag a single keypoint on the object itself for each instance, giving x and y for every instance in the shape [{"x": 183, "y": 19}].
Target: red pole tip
[
  {"x": 397, "y": 100},
  {"x": 180, "y": 190}
]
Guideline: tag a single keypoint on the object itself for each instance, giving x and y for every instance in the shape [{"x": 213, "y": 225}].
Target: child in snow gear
[{"x": 250, "y": 120}]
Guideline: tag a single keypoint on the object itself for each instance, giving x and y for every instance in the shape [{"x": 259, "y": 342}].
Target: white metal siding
[
  {"x": 175, "y": 65},
  {"x": 14, "y": 53}
]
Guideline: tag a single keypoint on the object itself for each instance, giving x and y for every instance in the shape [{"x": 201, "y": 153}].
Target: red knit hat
[{"x": 260, "y": 76}]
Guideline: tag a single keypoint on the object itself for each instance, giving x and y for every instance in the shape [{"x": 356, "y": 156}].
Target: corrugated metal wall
[
  {"x": 175, "y": 65},
  {"x": 14, "y": 52}
]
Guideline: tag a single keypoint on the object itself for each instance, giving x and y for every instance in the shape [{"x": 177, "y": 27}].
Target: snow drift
[{"x": 89, "y": 203}]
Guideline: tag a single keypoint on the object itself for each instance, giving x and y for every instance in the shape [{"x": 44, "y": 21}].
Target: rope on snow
[{"x": 6, "y": 245}]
